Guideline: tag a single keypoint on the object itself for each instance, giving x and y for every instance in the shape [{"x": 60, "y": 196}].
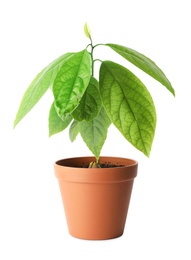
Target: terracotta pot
[{"x": 96, "y": 200}]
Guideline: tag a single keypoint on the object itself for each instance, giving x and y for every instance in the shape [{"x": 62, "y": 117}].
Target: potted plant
[{"x": 96, "y": 190}]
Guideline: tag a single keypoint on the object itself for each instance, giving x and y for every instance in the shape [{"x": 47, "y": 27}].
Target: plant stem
[
  {"x": 97, "y": 161},
  {"x": 91, "y": 54}
]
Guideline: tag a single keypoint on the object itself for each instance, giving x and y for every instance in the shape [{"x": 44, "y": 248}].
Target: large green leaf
[
  {"x": 128, "y": 104},
  {"x": 71, "y": 83},
  {"x": 39, "y": 86},
  {"x": 90, "y": 104},
  {"x": 56, "y": 124},
  {"x": 94, "y": 132},
  {"x": 143, "y": 63}
]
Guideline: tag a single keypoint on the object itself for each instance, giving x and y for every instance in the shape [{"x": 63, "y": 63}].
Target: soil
[{"x": 104, "y": 165}]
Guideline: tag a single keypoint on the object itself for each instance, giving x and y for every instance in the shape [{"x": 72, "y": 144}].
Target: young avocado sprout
[{"x": 88, "y": 106}]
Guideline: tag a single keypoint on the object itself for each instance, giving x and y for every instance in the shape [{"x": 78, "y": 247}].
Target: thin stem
[
  {"x": 99, "y": 44},
  {"x": 97, "y": 161},
  {"x": 91, "y": 53},
  {"x": 97, "y": 60}
]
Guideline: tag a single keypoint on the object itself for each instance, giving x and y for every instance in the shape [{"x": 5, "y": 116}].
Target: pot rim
[
  {"x": 68, "y": 173},
  {"x": 92, "y": 158}
]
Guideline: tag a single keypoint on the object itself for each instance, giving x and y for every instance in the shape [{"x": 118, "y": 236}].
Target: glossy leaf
[
  {"x": 94, "y": 132},
  {"x": 128, "y": 104},
  {"x": 90, "y": 104},
  {"x": 56, "y": 124},
  {"x": 143, "y": 63},
  {"x": 39, "y": 86},
  {"x": 71, "y": 83},
  {"x": 74, "y": 130}
]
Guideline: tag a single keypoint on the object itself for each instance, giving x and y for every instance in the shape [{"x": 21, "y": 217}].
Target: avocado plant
[{"x": 88, "y": 106}]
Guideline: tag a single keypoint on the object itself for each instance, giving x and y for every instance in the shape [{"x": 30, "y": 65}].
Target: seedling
[{"x": 88, "y": 106}]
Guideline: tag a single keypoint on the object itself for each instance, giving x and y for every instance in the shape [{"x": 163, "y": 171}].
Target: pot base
[{"x": 96, "y": 239}]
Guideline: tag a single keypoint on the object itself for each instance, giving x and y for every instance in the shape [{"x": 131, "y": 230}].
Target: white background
[{"x": 32, "y": 221}]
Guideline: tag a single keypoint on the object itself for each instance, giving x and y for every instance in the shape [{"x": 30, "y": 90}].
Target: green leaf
[
  {"x": 39, "y": 86},
  {"x": 143, "y": 63},
  {"x": 71, "y": 83},
  {"x": 90, "y": 104},
  {"x": 56, "y": 124},
  {"x": 87, "y": 31},
  {"x": 128, "y": 104},
  {"x": 94, "y": 132},
  {"x": 74, "y": 130}
]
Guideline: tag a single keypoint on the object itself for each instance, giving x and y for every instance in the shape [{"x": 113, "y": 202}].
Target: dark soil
[{"x": 103, "y": 165}]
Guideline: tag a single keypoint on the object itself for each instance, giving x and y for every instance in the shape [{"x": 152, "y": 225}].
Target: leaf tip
[
  {"x": 171, "y": 89},
  {"x": 15, "y": 123}
]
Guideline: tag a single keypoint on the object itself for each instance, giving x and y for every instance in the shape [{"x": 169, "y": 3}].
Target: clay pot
[{"x": 96, "y": 200}]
